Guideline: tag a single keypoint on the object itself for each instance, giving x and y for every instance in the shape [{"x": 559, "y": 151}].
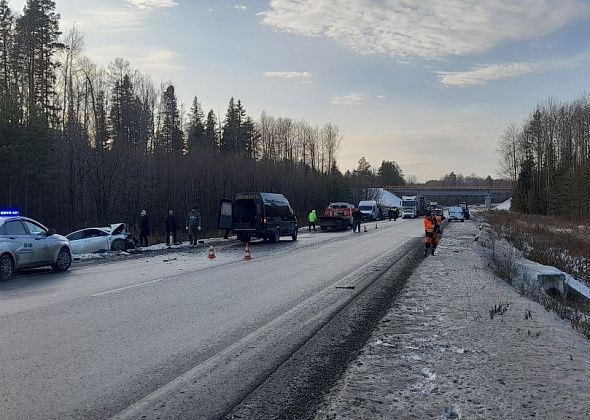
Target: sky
[{"x": 430, "y": 84}]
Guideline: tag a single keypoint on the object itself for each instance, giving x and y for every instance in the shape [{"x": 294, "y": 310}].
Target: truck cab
[{"x": 261, "y": 215}]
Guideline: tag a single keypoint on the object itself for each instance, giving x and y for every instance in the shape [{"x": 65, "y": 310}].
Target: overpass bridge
[{"x": 449, "y": 191}]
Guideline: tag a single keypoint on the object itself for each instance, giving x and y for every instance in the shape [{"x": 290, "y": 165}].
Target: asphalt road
[{"x": 177, "y": 335}]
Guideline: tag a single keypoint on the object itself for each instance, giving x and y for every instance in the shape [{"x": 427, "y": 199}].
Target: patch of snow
[{"x": 505, "y": 205}]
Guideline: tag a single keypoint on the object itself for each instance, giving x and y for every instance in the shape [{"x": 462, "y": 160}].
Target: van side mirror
[{"x": 51, "y": 232}]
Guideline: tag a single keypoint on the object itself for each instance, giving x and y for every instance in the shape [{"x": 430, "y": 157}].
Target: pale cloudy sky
[{"x": 431, "y": 84}]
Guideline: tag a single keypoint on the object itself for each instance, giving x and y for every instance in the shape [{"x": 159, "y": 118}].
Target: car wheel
[
  {"x": 118, "y": 245},
  {"x": 276, "y": 237},
  {"x": 64, "y": 260},
  {"x": 323, "y": 228},
  {"x": 6, "y": 267},
  {"x": 294, "y": 235}
]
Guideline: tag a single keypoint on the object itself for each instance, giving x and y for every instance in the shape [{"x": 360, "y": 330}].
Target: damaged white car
[{"x": 101, "y": 239}]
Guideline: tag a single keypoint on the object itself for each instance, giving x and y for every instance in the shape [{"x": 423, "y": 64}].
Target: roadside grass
[
  {"x": 546, "y": 240},
  {"x": 502, "y": 262}
]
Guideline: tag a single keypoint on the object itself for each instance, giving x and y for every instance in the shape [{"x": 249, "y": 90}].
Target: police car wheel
[
  {"x": 64, "y": 260},
  {"x": 6, "y": 267}
]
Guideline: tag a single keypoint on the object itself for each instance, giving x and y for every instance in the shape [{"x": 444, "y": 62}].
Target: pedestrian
[
  {"x": 171, "y": 228},
  {"x": 312, "y": 219},
  {"x": 390, "y": 213},
  {"x": 395, "y": 214},
  {"x": 144, "y": 229},
  {"x": 193, "y": 225},
  {"x": 357, "y": 218},
  {"x": 381, "y": 215}
]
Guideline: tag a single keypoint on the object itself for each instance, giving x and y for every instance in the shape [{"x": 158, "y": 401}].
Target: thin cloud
[
  {"x": 354, "y": 99},
  {"x": 291, "y": 75},
  {"x": 482, "y": 75},
  {"x": 152, "y": 4},
  {"x": 429, "y": 29},
  {"x": 240, "y": 7}
]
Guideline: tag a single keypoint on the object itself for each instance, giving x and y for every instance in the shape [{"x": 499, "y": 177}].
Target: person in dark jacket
[
  {"x": 395, "y": 213},
  {"x": 357, "y": 218},
  {"x": 171, "y": 228},
  {"x": 144, "y": 228},
  {"x": 193, "y": 225},
  {"x": 390, "y": 213}
]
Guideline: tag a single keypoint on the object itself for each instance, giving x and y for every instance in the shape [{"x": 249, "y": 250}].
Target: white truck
[
  {"x": 409, "y": 206},
  {"x": 369, "y": 209}
]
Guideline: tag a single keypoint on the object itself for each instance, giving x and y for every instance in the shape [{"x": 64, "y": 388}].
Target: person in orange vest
[{"x": 433, "y": 232}]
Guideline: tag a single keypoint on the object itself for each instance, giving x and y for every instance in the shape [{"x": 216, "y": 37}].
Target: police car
[{"x": 26, "y": 243}]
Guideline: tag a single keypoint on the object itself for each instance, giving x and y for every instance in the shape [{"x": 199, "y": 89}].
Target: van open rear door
[{"x": 225, "y": 221}]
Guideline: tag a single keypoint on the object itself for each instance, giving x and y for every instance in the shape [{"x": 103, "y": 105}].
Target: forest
[
  {"x": 82, "y": 145},
  {"x": 547, "y": 158}
]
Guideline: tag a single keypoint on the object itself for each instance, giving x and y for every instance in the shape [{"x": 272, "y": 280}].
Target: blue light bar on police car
[{"x": 9, "y": 212}]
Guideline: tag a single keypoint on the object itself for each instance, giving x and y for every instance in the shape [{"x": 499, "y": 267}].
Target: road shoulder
[{"x": 459, "y": 341}]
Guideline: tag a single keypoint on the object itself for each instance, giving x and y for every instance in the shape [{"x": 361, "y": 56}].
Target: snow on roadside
[
  {"x": 505, "y": 205},
  {"x": 460, "y": 342}
]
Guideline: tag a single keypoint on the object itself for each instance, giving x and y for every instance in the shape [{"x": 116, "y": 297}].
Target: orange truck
[{"x": 336, "y": 216}]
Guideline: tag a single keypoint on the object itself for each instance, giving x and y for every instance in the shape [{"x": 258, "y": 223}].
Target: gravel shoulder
[{"x": 459, "y": 342}]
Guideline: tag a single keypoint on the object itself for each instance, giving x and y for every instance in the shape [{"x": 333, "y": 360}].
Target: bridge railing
[{"x": 446, "y": 187}]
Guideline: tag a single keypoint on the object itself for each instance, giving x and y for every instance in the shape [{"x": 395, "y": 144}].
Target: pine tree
[
  {"x": 196, "y": 138},
  {"x": 211, "y": 136},
  {"x": 169, "y": 138},
  {"x": 38, "y": 40}
]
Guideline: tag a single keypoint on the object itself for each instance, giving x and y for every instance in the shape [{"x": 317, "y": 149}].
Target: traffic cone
[
  {"x": 247, "y": 254},
  {"x": 211, "y": 255},
  {"x": 365, "y": 228}
]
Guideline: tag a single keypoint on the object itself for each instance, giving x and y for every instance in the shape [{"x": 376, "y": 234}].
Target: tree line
[
  {"x": 82, "y": 145},
  {"x": 547, "y": 157}
]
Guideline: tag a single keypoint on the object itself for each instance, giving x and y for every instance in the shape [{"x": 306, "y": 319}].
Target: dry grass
[{"x": 546, "y": 240}]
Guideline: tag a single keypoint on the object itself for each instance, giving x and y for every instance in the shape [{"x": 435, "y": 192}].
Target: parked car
[
  {"x": 439, "y": 211},
  {"x": 26, "y": 243},
  {"x": 369, "y": 209},
  {"x": 112, "y": 238},
  {"x": 337, "y": 216},
  {"x": 456, "y": 213},
  {"x": 261, "y": 215}
]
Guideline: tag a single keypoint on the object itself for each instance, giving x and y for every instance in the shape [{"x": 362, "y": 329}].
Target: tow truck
[{"x": 336, "y": 216}]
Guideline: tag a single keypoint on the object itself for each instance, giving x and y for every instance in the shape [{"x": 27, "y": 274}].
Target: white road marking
[{"x": 127, "y": 287}]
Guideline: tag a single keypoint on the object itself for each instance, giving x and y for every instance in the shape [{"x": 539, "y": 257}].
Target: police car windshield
[{"x": 369, "y": 208}]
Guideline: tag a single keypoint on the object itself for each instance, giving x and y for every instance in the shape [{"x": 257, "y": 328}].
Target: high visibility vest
[{"x": 428, "y": 225}]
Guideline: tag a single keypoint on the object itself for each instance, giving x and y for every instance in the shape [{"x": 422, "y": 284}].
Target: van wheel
[
  {"x": 6, "y": 267},
  {"x": 323, "y": 228},
  {"x": 276, "y": 237},
  {"x": 294, "y": 235},
  {"x": 244, "y": 238}
]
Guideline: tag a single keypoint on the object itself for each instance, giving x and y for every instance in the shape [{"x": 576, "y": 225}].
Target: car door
[
  {"x": 76, "y": 242},
  {"x": 96, "y": 240},
  {"x": 19, "y": 242},
  {"x": 41, "y": 243}
]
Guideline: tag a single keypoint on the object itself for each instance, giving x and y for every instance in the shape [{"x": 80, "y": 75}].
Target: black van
[{"x": 262, "y": 215}]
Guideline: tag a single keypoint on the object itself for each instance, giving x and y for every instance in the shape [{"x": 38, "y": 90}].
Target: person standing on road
[
  {"x": 395, "y": 214},
  {"x": 312, "y": 219},
  {"x": 357, "y": 218},
  {"x": 433, "y": 232},
  {"x": 193, "y": 225},
  {"x": 390, "y": 213},
  {"x": 171, "y": 228},
  {"x": 144, "y": 229}
]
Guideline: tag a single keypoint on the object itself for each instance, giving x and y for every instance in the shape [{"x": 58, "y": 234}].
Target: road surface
[{"x": 177, "y": 335}]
